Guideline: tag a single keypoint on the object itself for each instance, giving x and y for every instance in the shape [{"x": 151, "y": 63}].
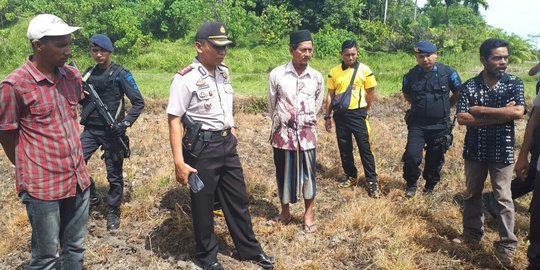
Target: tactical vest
[
  {"x": 431, "y": 98},
  {"x": 110, "y": 94}
]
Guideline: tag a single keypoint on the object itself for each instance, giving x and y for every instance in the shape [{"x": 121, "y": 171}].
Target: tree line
[{"x": 379, "y": 25}]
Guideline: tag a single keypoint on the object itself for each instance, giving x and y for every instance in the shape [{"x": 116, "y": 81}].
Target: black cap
[
  {"x": 214, "y": 32},
  {"x": 425, "y": 47},
  {"x": 300, "y": 36}
]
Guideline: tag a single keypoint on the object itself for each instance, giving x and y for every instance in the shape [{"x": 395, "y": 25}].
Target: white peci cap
[{"x": 48, "y": 25}]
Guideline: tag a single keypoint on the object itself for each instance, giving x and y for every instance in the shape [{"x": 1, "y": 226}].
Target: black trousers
[
  {"x": 349, "y": 123},
  {"x": 533, "y": 252},
  {"x": 419, "y": 137},
  {"x": 94, "y": 137},
  {"x": 220, "y": 170}
]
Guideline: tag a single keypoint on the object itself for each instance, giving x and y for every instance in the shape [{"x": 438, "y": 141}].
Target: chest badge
[
  {"x": 201, "y": 84},
  {"x": 208, "y": 105}
]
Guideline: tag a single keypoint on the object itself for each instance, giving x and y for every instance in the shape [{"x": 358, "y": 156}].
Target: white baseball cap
[{"x": 48, "y": 25}]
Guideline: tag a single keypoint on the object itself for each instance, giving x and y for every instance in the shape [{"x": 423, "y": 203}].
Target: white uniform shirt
[{"x": 207, "y": 99}]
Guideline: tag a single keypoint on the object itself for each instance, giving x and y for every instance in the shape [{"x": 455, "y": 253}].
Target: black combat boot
[{"x": 113, "y": 218}]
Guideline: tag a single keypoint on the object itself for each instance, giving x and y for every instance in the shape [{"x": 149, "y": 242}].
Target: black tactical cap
[{"x": 214, "y": 32}]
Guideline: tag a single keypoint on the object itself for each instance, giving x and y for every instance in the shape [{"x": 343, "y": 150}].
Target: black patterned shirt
[{"x": 491, "y": 143}]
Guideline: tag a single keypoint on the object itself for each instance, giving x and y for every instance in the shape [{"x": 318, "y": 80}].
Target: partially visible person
[
  {"x": 520, "y": 186},
  {"x": 354, "y": 120},
  {"x": 535, "y": 70},
  {"x": 488, "y": 105},
  {"x": 111, "y": 82},
  {"x": 39, "y": 134},
  {"x": 295, "y": 94},
  {"x": 201, "y": 101},
  {"x": 431, "y": 88},
  {"x": 523, "y": 171}
]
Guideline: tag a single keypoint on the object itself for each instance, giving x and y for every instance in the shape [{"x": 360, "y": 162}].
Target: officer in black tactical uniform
[
  {"x": 431, "y": 88},
  {"x": 111, "y": 81}
]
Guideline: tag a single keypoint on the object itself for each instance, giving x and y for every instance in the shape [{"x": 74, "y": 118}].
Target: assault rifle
[{"x": 102, "y": 108}]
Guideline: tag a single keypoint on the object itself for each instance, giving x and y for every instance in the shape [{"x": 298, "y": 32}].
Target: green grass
[
  {"x": 388, "y": 68},
  {"x": 250, "y": 67}
]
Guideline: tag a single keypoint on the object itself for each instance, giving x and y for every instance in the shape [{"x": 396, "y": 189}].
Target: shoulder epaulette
[{"x": 185, "y": 70}]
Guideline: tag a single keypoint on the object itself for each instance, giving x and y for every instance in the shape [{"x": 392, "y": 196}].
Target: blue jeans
[{"x": 57, "y": 224}]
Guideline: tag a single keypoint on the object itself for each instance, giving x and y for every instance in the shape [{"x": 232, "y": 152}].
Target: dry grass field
[{"x": 354, "y": 230}]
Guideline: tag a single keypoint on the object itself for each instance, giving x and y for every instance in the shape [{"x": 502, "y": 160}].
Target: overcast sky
[{"x": 516, "y": 16}]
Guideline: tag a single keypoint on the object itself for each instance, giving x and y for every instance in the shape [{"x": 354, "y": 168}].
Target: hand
[
  {"x": 511, "y": 103},
  {"x": 182, "y": 172},
  {"x": 234, "y": 132},
  {"x": 522, "y": 168},
  {"x": 328, "y": 125},
  {"x": 119, "y": 128},
  {"x": 476, "y": 111}
]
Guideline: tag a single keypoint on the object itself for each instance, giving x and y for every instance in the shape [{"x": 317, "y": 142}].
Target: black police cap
[{"x": 214, "y": 32}]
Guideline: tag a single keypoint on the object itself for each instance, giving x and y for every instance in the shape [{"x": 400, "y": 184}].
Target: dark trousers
[
  {"x": 419, "y": 137},
  {"x": 220, "y": 170},
  {"x": 91, "y": 140},
  {"x": 349, "y": 123},
  {"x": 533, "y": 253}
]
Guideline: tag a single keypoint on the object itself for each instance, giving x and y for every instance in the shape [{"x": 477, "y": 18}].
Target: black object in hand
[{"x": 195, "y": 183}]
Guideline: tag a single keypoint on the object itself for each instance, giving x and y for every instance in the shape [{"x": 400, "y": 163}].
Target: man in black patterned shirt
[{"x": 488, "y": 105}]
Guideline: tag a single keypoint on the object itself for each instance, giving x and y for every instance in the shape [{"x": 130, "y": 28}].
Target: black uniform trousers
[
  {"x": 94, "y": 137},
  {"x": 349, "y": 123},
  {"x": 419, "y": 137},
  {"x": 219, "y": 168},
  {"x": 533, "y": 252}
]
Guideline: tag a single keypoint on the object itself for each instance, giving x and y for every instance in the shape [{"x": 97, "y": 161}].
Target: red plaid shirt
[{"x": 49, "y": 160}]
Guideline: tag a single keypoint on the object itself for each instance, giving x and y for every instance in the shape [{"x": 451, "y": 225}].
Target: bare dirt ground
[{"x": 354, "y": 230}]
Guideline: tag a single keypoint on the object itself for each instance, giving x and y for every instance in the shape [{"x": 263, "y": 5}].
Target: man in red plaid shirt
[{"x": 39, "y": 133}]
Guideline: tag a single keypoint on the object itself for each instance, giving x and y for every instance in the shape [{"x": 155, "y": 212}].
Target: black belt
[{"x": 207, "y": 135}]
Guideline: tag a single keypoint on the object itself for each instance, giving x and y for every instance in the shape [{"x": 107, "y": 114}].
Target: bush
[
  {"x": 376, "y": 36},
  {"x": 327, "y": 42},
  {"x": 275, "y": 23}
]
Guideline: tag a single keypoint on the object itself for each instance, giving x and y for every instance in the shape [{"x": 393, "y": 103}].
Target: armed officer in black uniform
[
  {"x": 111, "y": 82},
  {"x": 431, "y": 88},
  {"x": 201, "y": 99}
]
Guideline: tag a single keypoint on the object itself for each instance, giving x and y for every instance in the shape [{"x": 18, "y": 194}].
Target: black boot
[
  {"x": 113, "y": 218},
  {"x": 95, "y": 198}
]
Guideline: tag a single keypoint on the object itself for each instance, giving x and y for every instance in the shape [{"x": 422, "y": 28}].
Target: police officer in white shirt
[{"x": 202, "y": 91}]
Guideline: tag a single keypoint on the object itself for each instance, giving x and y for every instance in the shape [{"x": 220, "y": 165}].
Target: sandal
[
  {"x": 280, "y": 221},
  {"x": 310, "y": 228}
]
